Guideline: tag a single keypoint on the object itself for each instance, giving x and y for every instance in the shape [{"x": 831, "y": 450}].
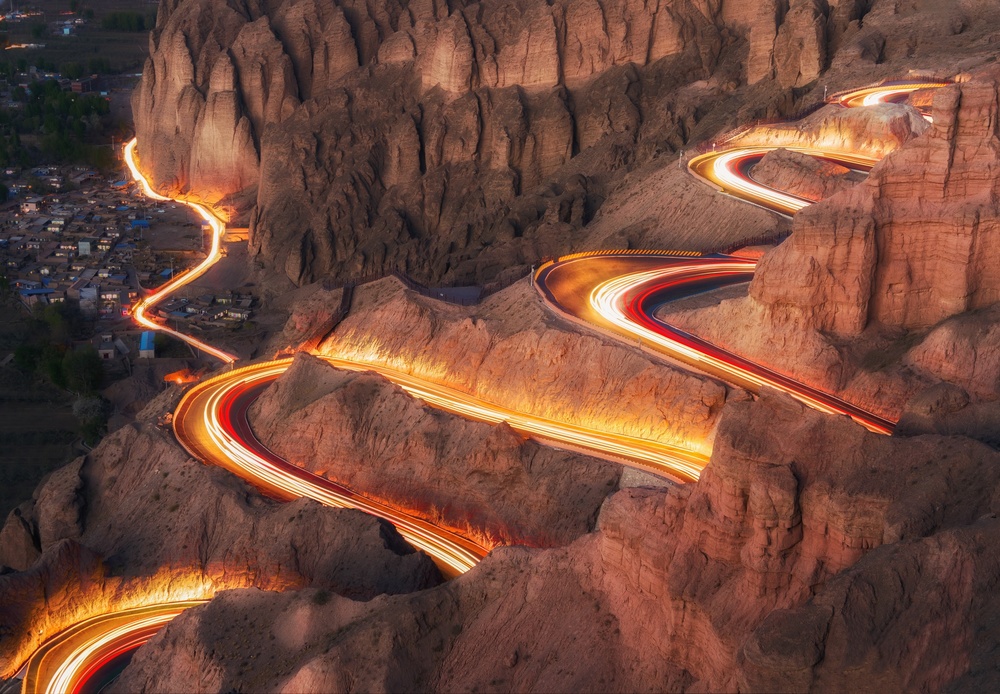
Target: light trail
[
  {"x": 888, "y": 92},
  {"x": 622, "y": 300},
  {"x": 149, "y": 302},
  {"x": 729, "y": 170},
  {"x": 70, "y": 660},
  {"x": 211, "y": 422},
  {"x": 619, "y": 293}
]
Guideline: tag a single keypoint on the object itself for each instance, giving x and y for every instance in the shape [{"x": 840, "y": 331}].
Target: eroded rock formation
[
  {"x": 740, "y": 580},
  {"x": 802, "y": 175},
  {"x": 486, "y": 481},
  {"x": 510, "y": 350},
  {"x": 358, "y": 137},
  {"x": 878, "y": 267},
  {"x": 912, "y": 245},
  {"x": 137, "y": 521}
]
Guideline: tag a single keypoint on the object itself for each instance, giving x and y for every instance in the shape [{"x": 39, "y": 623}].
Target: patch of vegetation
[
  {"x": 55, "y": 126},
  {"x": 167, "y": 346},
  {"x": 47, "y": 351},
  {"x": 128, "y": 21}
]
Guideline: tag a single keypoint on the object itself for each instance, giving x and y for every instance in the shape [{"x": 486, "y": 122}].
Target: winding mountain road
[{"x": 615, "y": 292}]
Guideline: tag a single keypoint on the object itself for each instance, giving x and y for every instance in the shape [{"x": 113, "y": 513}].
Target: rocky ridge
[
  {"x": 510, "y": 350},
  {"x": 485, "y": 481},
  {"x": 760, "y": 576},
  {"x": 802, "y": 175}
]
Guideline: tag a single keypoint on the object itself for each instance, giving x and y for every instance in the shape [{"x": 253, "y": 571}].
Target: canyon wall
[
  {"x": 447, "y": 139},
  {"x": 912, "y": 245},
  {"x": 863, "y": 298}
]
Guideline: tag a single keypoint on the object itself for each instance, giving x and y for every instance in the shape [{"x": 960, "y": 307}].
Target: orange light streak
[
  {"x": 67, "y": 661},
  {"x": 149, "y": 302}
]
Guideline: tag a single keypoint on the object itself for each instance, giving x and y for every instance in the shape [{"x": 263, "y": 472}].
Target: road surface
[
  {"x": 88, "y": 655},
  {"x": 615, "y": 292},
  {"x": 619, "y": 293}
]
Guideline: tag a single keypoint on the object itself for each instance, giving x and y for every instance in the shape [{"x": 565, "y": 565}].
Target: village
[{"x": 70, "y": 234}]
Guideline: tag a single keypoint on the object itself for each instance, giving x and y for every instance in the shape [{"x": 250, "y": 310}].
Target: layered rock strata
[
  {"x": 882, "y": 264},
  {"x": 773, "y": 572},
  {"x": 359, "y": 137}
]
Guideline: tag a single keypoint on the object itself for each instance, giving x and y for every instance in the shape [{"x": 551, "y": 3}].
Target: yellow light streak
[
  {"x": 148, "y": 303},
  {"x": 66, "y": 660}
]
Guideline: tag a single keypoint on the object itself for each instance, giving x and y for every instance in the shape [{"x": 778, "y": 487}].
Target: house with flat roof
[{"x": 147, "y": 345}]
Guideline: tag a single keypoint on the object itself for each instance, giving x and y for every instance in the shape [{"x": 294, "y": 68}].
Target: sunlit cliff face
[
  {"x": 571, "y": 408},
  {"x": 97, "y": 595}
]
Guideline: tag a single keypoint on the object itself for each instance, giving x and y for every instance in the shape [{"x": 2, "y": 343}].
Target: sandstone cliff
[
  {"x": 876, "y": 268},
  {"x": 486, "y": 481},
  {"x": 511, "y": 351},
  {"x": 743, "y": 579},
  {"x": 357, "y": 137}
]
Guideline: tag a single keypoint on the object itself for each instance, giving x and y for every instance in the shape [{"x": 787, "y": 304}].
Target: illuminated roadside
[
  {"x": 147, "y": 303},
  {"x": 884, "y": 93},
  {"x": 728, "y": 169},
  {"x": 70, "y": 659}
]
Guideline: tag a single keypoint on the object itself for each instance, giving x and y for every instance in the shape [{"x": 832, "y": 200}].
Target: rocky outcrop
[
  {"x": 743, "y": 579},
  {"x": 486, "y": 481},
  {"x": 872, "y": 132},
  {"x": 911, "y": 246},
  {"x": 137, "y": 521},
  {"x": 867, "y": 275},
  {"x": 510, "y": 351},
  {"x": 450, "y": 142},
  {"x": 802, "y": 175}
]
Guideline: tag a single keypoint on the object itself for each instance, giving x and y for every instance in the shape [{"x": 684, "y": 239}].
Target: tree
[
  {"x": 51, "y": 364},
  {"x": 38, "y": 31},
  {"x": 26, "y": 357},
  {"x": 83, "y": 369}
]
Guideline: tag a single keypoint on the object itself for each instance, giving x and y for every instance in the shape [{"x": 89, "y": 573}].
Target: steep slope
[
  {"x": 868, "y": 275},
  {"x": 137, "y": 522},
  {"x": 359, "y": 430}
]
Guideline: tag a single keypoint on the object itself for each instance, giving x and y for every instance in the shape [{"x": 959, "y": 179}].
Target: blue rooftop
[{"x": 146, "y": 341}]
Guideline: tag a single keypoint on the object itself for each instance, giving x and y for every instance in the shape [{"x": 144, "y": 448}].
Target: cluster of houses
[
  {"x": 70, "y": 245},
  {"x": 208, "y": 310},
  {"x": 84, "y": 242}
]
